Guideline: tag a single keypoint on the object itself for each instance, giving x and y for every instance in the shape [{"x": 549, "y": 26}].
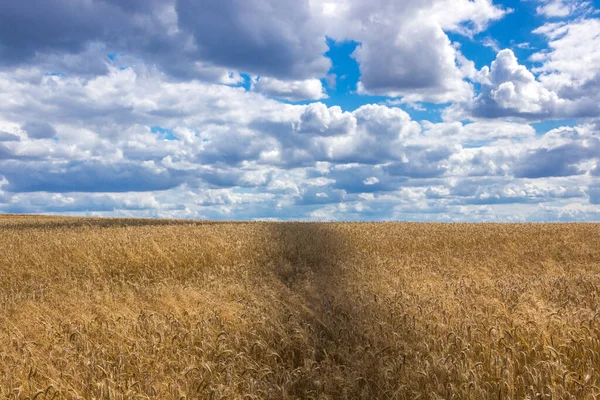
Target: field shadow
[{"x": 337, "y": 355}]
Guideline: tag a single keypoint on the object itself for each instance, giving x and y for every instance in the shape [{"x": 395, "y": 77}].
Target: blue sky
[{"x": 435, "y": 110}]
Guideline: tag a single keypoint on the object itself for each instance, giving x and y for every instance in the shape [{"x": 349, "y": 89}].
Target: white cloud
[
  {"x": 211, "y": 73},
  {"x": 514, "y": 87},
  {"x": 405, "y": 50},
  {"x": 233, "y": 153},
  {"x": 491, "y": 43},
  {"x": 563, "y": 83},
  {"x": 510, "y": 90},
  {"x": 145, "y": 137},
  {"x": 308, "y": 89},
  {"x": 561, "y": 8},
  {"x": 571, "y": 65},
  {"x": 477, "y": 134}
]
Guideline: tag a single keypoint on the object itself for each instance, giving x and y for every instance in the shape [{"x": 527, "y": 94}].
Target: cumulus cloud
[
  {"x": 308, "y": 89},
  {"x": 262, "y": 158},
  {"x": 559, "y": 161},
  {"x": 144, "y": 114},
  {"x": 571, "y": 65},
  {"x": 561, "y": 152},
  {"x": 477, "y": 134},
  {"x": 265, "y": 37},
  {"x": 404, "y": 47},
  {"x": 563, "y": 84},
  {"x": 405, "y": 50},
  {"x": 187, "y": 39},
  {"x": 510, "y": 89}
]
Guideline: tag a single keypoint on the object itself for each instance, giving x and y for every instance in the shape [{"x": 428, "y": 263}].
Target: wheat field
[{"x": 159, "y": 309}]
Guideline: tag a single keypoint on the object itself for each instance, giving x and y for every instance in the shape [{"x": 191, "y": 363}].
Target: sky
[{"x": 324, "y": 110}]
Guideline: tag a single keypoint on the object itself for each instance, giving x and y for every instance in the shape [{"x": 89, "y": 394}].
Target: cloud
[
  {"x": 82, "y": 202},
  {"x": 509, "y": 88},
  {"x": 39, "y": 130},
  {"x": 265, "y": 37},
  {"x": 70, "y": 176},
  {"x": 371, "y": 134},
  {"x": 361, "y": 178},
  {"x": 559, "y": 161},
  {"x": 571, "y": 66},
  {"x": 314, "y": 195},
  {"x": 405, "y": 50},
  {"x": 44, "y": 26},
  {"x": 187, "y": 39},
  {"x": 491, "y": 43},
  {"x": 471, "y": 192},
  {"x": 562, "y": 152},
  {"x": 9, "y": 137},
  {"x": 563, "y": 84},
  {"x": 561, "y": 8},
  {"x": 594, "y": 194},
  {"x": 411, "y": 69},
  {"x": 136, "y": 141},
  {"x": 568, "y": 212},
  {"x": 477, "y": 134},
  {"x": 308, "y": 89}
]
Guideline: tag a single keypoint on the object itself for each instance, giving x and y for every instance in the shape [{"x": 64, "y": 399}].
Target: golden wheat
[{"x": 124, "y": 308}]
